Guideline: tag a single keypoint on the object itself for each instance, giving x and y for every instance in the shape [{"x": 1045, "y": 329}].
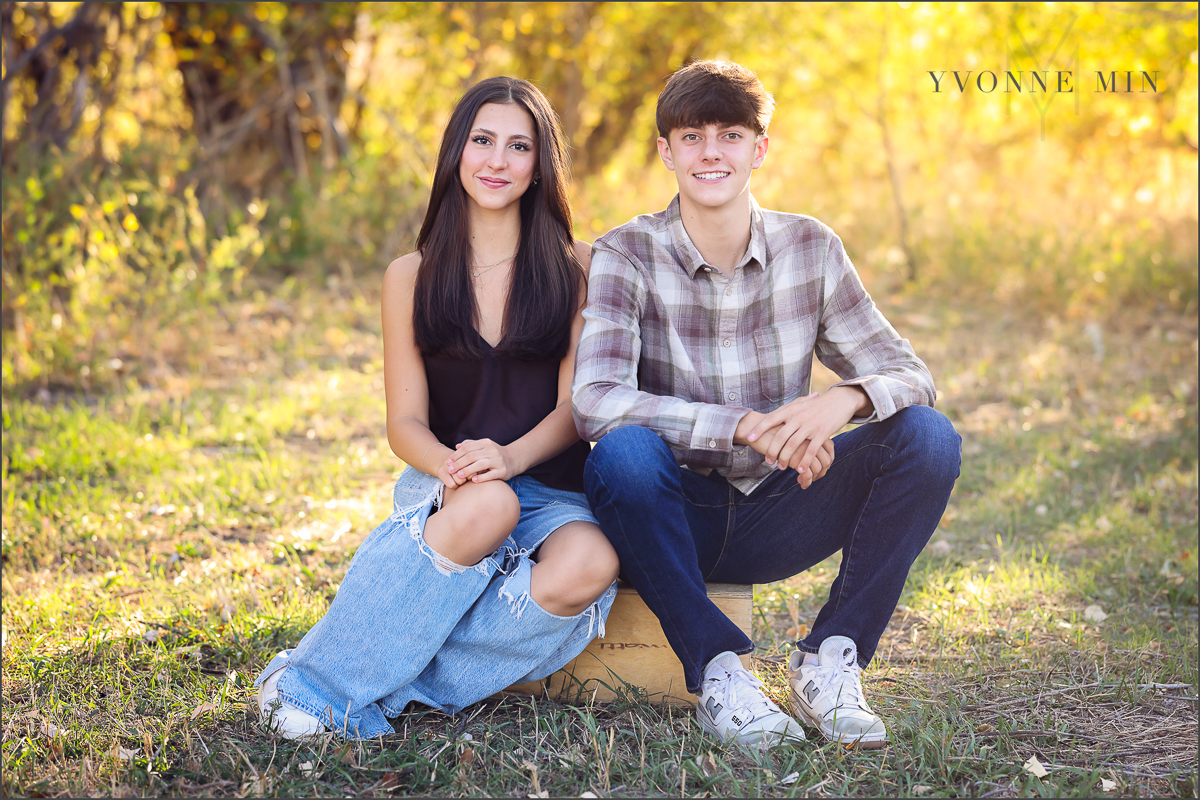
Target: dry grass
[{"x": 147, "y": 580}]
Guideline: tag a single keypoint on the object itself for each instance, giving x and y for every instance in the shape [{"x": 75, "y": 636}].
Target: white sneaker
[
  {"x": 732, "y": 706},
  {"x": 288, "y": 721},
  {"x": 829, "y": 695}
]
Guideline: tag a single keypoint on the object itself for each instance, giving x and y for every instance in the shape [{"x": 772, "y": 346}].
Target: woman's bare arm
[{"x": 404, "y": 383}]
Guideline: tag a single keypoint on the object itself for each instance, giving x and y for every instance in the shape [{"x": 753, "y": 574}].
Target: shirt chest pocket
[{"x": 784, "y": 355}]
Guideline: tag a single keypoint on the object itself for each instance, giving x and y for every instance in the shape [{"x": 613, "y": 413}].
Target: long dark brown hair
[{"x": 547, "y": 277}]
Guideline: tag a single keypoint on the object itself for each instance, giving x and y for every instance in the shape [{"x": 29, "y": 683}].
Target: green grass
[{"x": 162, "y": 542}]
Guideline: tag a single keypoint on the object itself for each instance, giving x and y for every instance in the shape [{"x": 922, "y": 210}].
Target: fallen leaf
[
  {"x": 50, "y": 729},
  {"x": 345, "y": 754},
  {"x": 1103, "y": 525},
  {"x": 921, "y": 789},
  {"x": 467, "y": 757},
  {"x": 123, "y": 754},
  {"x": 1107, "y": 785},
  {"x": 1035, "y": 767},
  {"x": 589, "y": 794},
  {"x": 258, "y": 785},
  {"x": 202, "y": 709},
  {"x": 533, "y": 777},
  {"x": 940, "y": 548},
  {"x": 793, "y": 608},
  {"x": 390, "y": 780},
  {"x": 1094, "y": 613},
  {"x": 305, "y": 769},
  {"x": 791, "y": 778}
]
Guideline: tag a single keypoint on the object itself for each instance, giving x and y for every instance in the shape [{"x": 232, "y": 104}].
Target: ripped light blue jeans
[{"x": 409, "y": 625}]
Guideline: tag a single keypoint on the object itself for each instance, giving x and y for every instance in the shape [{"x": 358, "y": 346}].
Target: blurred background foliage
[{"x": 160, "y": 159}]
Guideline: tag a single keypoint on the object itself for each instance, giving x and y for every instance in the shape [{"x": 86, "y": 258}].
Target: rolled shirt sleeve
[{"x": 856, "y": 342}]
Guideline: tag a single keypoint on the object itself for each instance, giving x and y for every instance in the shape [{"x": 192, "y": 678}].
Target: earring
[{"x": 535, "y": 181}]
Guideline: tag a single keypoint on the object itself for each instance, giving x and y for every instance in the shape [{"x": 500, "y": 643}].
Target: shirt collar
[{"x": 690, "y": 258}]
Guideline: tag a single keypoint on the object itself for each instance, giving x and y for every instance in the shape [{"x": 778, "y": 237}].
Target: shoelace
[
  {"x": 847, "y": 675},
  {"x": 741, "y": 682}
]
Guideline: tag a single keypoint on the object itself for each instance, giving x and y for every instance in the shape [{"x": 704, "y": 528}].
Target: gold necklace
[{"x": 477, "y": 271}]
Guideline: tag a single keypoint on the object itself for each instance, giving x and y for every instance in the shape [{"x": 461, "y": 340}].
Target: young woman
[{"x": 491, "y": 570}]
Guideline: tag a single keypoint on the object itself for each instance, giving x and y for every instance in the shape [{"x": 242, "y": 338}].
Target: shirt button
[
  {"x": 712, "y": 442},
  {"x": 727, "y": 343},
  {"x": 732, "y": 396},
  {"x": 729, "y": 291}
]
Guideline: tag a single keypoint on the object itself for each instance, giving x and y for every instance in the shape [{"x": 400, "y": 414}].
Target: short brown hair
[{"x": 713, "y": 92}]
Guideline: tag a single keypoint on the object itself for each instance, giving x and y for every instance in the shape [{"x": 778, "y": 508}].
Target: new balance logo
[
  {"x": 811, "y": 691},
  {"x": 713, "y": 707}
]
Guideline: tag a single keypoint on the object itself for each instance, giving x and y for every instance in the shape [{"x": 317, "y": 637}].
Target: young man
[{"x": 712, "y": 460}]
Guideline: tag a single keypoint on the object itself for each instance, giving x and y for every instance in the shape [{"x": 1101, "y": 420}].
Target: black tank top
[{"x": 502, "y": 399}]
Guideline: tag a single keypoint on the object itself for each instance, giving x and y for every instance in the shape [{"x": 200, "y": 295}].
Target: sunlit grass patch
[
  {"x": 154, "y": 469},
  {"x": 1059, "y": 594},
  {"x": 989, "y": 662},
  {"x": 200, "y": 527}
]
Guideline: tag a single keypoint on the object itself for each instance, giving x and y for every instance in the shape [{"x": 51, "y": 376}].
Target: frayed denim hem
[
  {"x": 521, "y": 595},
  {"x": 373, "y": 726}
]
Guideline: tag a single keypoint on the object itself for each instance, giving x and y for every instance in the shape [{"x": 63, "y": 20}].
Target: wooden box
[{"x": 634, "y": 651}]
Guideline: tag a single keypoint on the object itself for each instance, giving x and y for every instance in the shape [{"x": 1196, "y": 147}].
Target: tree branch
[{"x": 84, "y": 17}]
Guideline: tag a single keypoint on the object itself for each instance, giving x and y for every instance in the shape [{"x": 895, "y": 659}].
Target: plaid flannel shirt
[{"x": 672, "y": 344}]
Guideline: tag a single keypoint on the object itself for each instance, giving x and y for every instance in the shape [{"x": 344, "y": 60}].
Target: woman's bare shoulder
[
  {"x": 583, "y": 252},
  {"x": 402, "y": 272}
]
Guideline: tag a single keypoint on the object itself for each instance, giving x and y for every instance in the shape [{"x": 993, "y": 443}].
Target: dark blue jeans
[{"x": 673, "y": 529}]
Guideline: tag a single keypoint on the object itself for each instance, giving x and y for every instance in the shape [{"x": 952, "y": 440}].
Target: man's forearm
[
  {"x": 852, "y": 398},
  {"x": 856, "y": 399}
]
